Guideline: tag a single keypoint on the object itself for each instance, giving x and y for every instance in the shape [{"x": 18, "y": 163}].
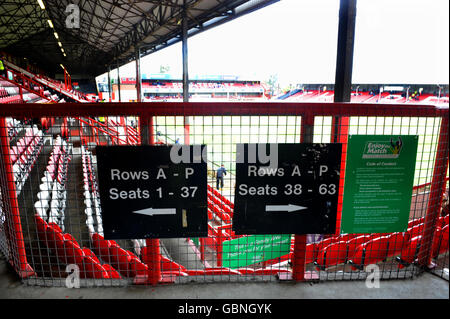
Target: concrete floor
[{"x": 425, "y": 286}]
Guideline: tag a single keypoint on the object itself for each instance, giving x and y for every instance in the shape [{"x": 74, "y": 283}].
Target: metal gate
[{"x": 51, "y": 228}]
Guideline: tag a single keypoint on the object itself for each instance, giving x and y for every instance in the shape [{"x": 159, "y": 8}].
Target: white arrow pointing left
[{"x": 156, "y": 211}]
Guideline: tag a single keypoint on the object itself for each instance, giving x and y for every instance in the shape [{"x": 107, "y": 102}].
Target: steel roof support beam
[
  {"x": 118, "y": 81},
  {"x": 185, "y": 57},
  {"x": 344, "y": 66},
  {"x": 344, "y": 61},
  {"x": 184, "y": 39},
  {"x": 109, "y": 84},
  {"x": 138, "y": 76}
]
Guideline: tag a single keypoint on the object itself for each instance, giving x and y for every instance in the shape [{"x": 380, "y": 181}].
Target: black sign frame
[
  {"x": 138, "y": 205},
  {"x": 265, "y": 205}
]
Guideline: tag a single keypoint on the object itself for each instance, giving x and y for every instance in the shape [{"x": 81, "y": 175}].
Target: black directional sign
[
  {"x": 153, "y": 191},
  {"x": 286, "y": 188}
]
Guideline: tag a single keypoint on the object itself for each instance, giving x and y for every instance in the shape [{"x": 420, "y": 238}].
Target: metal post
[
  {"x": 118, "y": 82},
  {"x": 153, "y": 254},
  {"x": 299, "y": 253},
  {"x": 344, "y": 60},
  {"x": 185, "y": 70},
  {"x": 65, "y": 80},
  {"x": 439, "y": 94},
  {"x": 343, "y": 86},
  {"x": 11, "y": 207},
  {"x": 138, "y": 76},
  {"x": 109, "y": 84}
]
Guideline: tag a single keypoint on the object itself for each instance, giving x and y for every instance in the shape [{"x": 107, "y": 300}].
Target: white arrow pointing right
[{"x": 284, "y": 208}]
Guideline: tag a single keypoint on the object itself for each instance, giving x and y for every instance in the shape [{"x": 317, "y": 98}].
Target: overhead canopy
[{"x": 108, "y": 32}]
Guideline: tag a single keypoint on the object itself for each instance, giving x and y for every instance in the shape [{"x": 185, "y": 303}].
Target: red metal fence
[{"x": 51, "y": 214}]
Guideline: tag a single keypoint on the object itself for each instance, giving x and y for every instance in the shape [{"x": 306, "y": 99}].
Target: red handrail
[{"x": 222, "y": 108}]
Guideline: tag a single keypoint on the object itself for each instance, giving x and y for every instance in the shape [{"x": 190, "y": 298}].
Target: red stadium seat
[
  {"x": 333, "y": 254},
  {"x": 443, "y": 221},
  {"x": 120, "y": 260},
  {"x": 112, "y": 273},
  {"x": 73, "y": 254},
  {"x": 195, "y": 272},
  {"x": 55, "y": 238},
  {"x": 354, "y": 243},
  {"x": 437, "y": 236},
  {"x": 269, "y": 271},
  {"x": 41, "y": 227},
  {"x": 220, "y": 271},
  {"x": 371, "y": 252},
  {"x": 55, "y": 226},
  {"x": 173, "y": 273},
  {"x": 416, "y": 230},
  {"x": 137, "y": 268},
  {"x": 92, "y": 269},
  {"x": 396, "y": 243},
  {"x": 246, "y": 271},
  {"x": 101, "y": 247},
  {"x": 310, "y": 255},
  {"x": 376, "y": 250},
  {"x": 409, "y": 252},
  {"x": 167, "y": 264},
  {"x": 90, "y": 253},
  {"x": 440, "y": 242}
]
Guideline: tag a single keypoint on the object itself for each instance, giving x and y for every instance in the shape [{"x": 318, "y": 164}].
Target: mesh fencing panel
[{"x": 54, "y": 167}]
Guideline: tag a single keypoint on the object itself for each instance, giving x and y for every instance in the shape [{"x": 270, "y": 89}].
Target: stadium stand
[
  {"x": 65, "y": 179},
  {"x": 21, "y": 76}
]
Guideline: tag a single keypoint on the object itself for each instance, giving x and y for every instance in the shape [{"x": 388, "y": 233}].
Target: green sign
[
  {"x": 250, "y": 250},
  {"x": 378, "y": 183}
]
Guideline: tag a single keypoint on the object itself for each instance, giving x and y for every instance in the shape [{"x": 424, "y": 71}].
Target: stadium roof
[{"x": 108, "y": 31}]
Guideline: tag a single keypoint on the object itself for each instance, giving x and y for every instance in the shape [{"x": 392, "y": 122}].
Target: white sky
[{"x": 396, "y": 41}]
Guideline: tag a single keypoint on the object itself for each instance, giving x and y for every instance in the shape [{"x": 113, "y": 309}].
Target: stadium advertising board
[{"x": 253, "y": 249}]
